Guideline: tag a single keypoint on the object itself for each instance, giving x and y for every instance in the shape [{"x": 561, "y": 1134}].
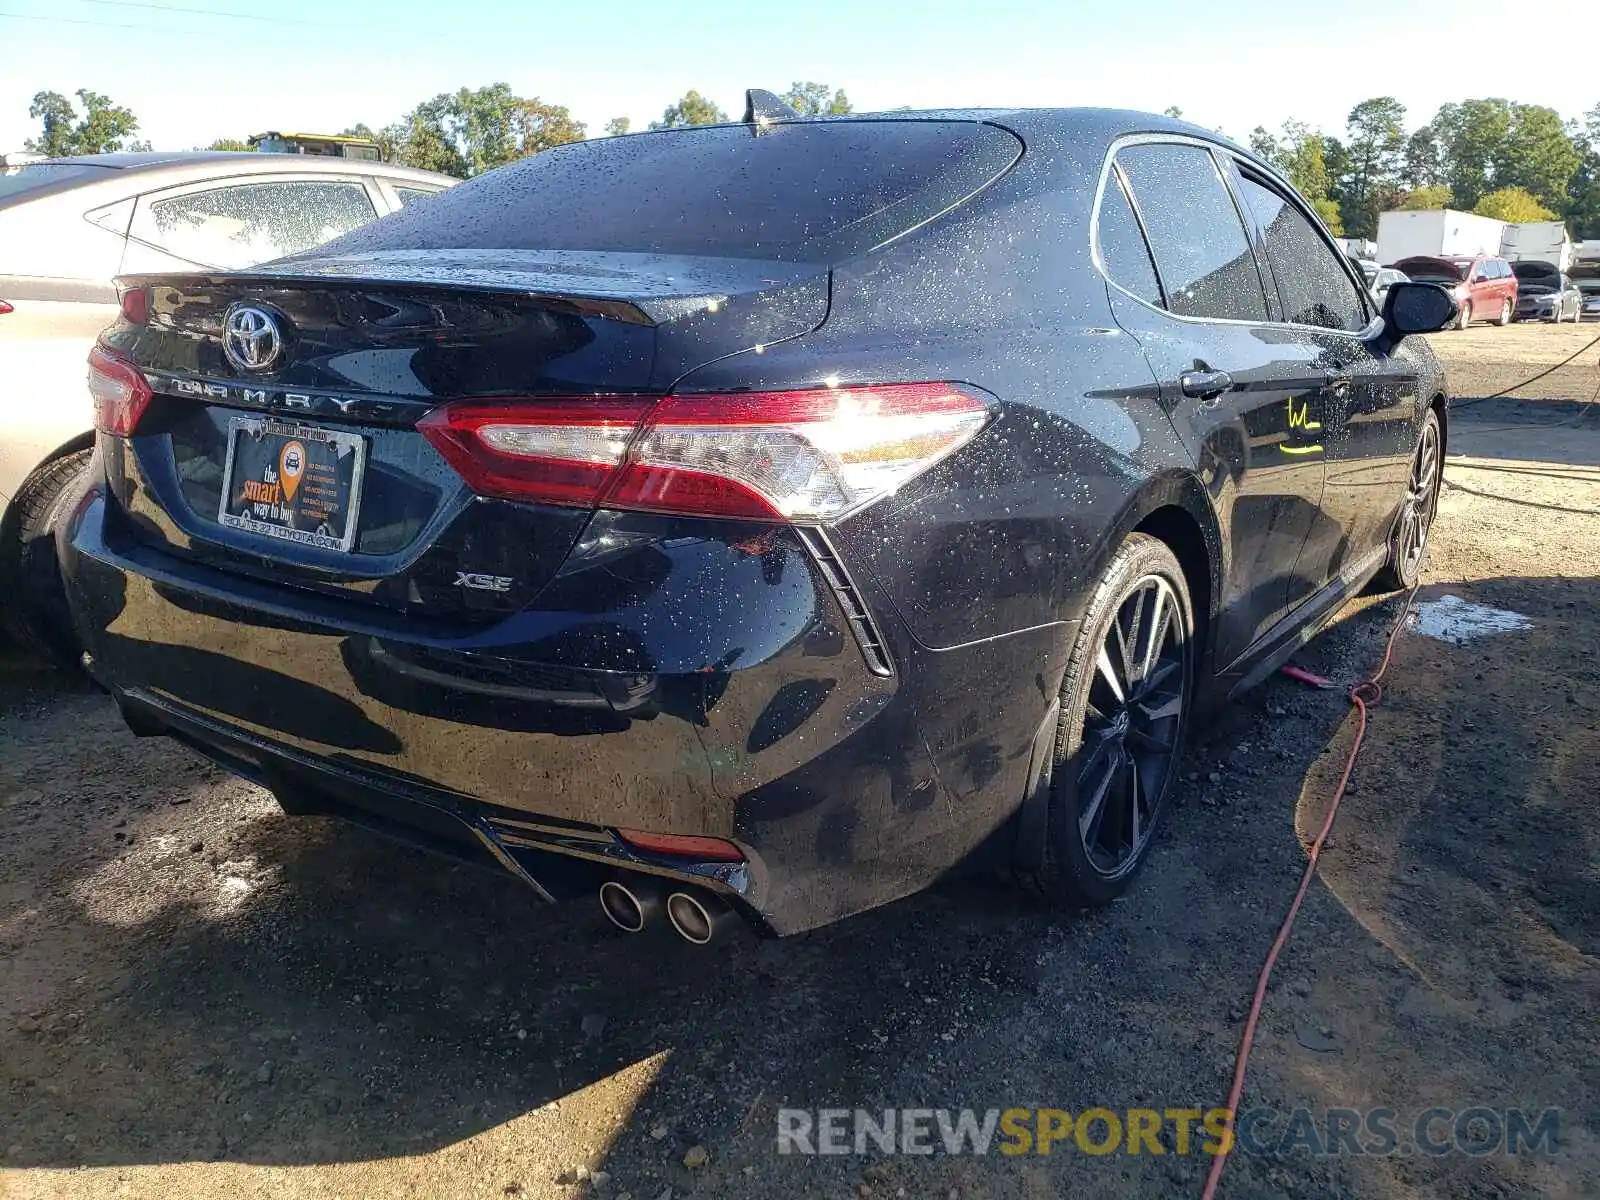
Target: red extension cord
[{"x": 1365, "y": 695}]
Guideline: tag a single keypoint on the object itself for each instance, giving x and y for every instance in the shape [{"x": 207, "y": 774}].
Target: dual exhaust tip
[{"x": 698, "y": 917}]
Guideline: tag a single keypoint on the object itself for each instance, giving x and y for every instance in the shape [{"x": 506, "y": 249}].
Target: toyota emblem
[{"x": 250, "y": 338}]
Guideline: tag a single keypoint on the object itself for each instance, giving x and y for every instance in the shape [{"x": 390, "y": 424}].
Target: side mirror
[{"x": 1417, "y": 308}]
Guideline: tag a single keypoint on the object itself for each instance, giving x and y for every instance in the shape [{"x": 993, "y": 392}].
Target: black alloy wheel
[
  {"x": 1409, "y": 542},
  {"x": 1124, "y": 712},
  {"x": 1130, "y": 729}
]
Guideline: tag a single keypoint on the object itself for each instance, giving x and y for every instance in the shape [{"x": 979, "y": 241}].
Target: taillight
[
  {"x": 5, "y": 307},
  {"x": 119, "y": 391},
  {"x": 808, "y": 455},
  {"x": 135, "y": 305},
  {"x": 556, "y": 452}
]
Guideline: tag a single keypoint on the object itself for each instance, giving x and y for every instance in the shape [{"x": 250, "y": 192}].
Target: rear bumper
[{"x": 732, "y": 699}]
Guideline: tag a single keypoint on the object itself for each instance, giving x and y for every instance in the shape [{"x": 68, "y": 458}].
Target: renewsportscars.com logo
[{"x": 1436, "y": 1132}]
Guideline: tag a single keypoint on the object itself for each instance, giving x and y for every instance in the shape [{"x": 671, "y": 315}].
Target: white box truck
[
  {"x": 1438, "y": 233},
  {"x": 1538, "y": 241}
]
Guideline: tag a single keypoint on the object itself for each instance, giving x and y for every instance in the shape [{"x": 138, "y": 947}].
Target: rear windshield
[
  {"x": 16, "y": 183},
  {"x": 810, "y": 192}
]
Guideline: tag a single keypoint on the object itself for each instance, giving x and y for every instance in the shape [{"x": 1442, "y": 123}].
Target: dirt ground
[{"x": 201, "y": 997}]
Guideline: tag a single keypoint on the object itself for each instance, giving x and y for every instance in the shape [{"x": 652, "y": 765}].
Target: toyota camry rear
[{"x": 707, "y": 520}]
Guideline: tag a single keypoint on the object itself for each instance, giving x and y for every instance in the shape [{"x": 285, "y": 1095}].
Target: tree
[
  {"x": 229, "y": 144},
  {"x": 1424, "y": 166},
  {"x": 1176, "y": 113},
  {"x": 1537, "y": 154},
  {"x": 1470, "y": 134},
  {"x": 1421, "y": 198},
  {"x": 1264, "y": 144},
  {"x": 1375, "y": 145},
  {"x": 814, "y": 100},
  {"x": 693, "y": 109},
  {"x": 539, "y": 126},
  {"x": 1513, "y": 204},
  {"x": 103, "y": 129},
  {"x": 1582, "y": 210},
  {"x": 468, "y": 132},
  {"x": 1301, "y": 154},
  {"x": 618, "y": 126},
  {"x": 421, "y": 139}
]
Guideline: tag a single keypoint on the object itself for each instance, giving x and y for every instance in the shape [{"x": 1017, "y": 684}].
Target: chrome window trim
[{"x": 1108, "y": 163}]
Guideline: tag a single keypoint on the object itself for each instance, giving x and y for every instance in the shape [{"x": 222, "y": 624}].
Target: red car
[{"x": 1483, "y": 286}]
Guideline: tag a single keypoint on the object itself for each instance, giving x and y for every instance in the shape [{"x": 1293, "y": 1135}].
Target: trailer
[
  {"x": 324, "y": 145},
  {"x": 1538, "y": 241},
  {"x": 1436, "y": 233}
]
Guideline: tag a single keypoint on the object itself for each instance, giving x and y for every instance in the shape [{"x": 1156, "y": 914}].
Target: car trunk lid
[{"x": 307, "y": 468}]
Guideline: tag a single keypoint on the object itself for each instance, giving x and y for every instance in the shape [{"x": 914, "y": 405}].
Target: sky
[{"x": 195, "y": 70}]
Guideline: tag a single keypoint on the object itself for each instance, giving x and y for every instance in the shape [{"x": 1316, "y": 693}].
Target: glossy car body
[
  {"x": 69, "y": 226},
  {"x": 1483, "y": 287},
  {"x": 1545, "y": 293},
  {"x": 857, "y": 705}
]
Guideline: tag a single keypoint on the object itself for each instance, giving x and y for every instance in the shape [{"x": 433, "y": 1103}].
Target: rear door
[
  {"x": 1245, "y": 398},
  {"x": 243, "y": 220}
]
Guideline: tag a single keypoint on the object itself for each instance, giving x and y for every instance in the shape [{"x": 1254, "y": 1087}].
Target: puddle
[{"x": 1452, "y": 619}]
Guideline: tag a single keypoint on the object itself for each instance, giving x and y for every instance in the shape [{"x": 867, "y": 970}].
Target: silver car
[
  {"x": 67, "y": 227},
  {"x": 1545, "y": 293},
  {"x": 1590, "y": 288},
  {"x": 1382, "y": 280}
]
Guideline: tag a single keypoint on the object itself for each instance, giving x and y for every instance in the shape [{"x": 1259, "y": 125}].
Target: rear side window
[
  {"x": 243, "y": 224},
  {"x": 808, "y": 192},
  {"x": 1122, "y": 246},
  {"x": 1313, "y": 286},
  {"x": 407, "y": 194},
  {"x": 1195, "y": 233}
]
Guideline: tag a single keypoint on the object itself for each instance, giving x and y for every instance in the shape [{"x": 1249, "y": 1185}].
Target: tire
[
  {"x": 1408, "y": 543},
  {"x": 34, "y": 612},
  {"x": 1504, "y": 318},
  {"x": 1464, "y": 317},
  {"x": 1105, "y": 801}
]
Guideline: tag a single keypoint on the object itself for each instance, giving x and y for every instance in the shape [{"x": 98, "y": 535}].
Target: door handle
[
  {"x": 1205, "y": 385},
  {"x": 1338, "y": 383}
]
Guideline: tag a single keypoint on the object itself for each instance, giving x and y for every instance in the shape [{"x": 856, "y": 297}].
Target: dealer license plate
[{"x": 294, "y": 482}]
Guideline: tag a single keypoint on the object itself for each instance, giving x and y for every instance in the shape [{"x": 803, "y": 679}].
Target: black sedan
[{"x": 758, "y": 521}]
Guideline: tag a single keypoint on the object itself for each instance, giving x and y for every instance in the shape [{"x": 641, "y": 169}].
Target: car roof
[
  {"x": 201, "y": 164},
  {"x": 1067, "y": 123}
]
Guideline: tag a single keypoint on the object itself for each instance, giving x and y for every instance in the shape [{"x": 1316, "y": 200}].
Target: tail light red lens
[
  {"x": 809, "y": 455},
  {"x": 5, "y": 307},
  {"x": 135, "y": 305},
  {"x": 119, "y": 391},
  {"x": 555, "y": 452}
]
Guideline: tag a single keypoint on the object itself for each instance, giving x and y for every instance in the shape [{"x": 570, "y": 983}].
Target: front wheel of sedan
[
  {"x": 1124, "y": 712},
  {"x": 1409, "y": 541}
]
